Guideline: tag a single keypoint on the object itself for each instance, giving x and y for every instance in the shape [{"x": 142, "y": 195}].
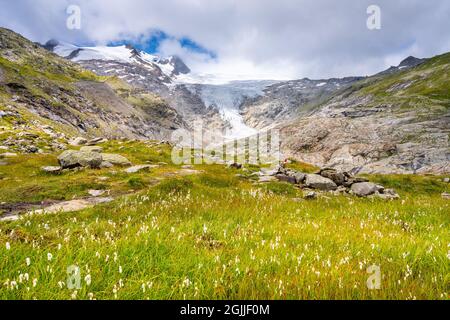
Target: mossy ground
[{"x": 216, "y": 235}]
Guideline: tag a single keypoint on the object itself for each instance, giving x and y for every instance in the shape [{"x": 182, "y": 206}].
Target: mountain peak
[{"x": 411, "y": 62}]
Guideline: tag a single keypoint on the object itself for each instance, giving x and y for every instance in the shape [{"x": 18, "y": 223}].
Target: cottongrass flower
[
  {"x": 49, "y": 256},
  {"x": 35, "y": 281},
  {"x": 120, "y": 269},
  {"x": 88, "y": 279},
  {"x": 186, "y": 283},
  {"x": 28, "y": 261},
  {"x": 8, "y": 246}
]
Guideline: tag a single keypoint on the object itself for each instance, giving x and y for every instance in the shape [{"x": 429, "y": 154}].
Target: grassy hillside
[
  {"x": 424, "y": 89},
  {"x": 44, "y": 89},
  {"x": 215, "y": 235}
]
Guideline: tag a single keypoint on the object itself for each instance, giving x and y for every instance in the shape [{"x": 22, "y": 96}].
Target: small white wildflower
[
  {"x": 88, "y": 279},
  {"x": 8, "y": 246},
  {"x": 120, "y": 269},
  {"x": 28, "y": 261},
  {"x": 49, "y": 256},
  {"x": 35, "y": 281}
]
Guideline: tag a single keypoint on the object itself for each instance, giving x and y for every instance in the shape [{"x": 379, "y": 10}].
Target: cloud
[{"x": 261, "y": 38}]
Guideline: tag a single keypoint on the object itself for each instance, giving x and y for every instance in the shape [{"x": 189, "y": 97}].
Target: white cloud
[{"x": 263, "y": 38}]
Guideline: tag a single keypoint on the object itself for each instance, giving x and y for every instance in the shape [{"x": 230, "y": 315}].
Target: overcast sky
[{"x": 258, "y": 38}]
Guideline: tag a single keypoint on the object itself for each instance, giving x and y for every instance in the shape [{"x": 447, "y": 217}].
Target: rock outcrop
[
  {"x": 70, "y": 159},
  {"x": 328, "y": 179},
  {"x": 90, "y": 158}
]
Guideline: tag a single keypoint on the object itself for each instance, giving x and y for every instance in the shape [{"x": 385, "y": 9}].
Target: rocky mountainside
[
  {"x": 147, "y": 73},
  {"x": 394, "y": 122},
  {"x": 240, "y": 107},
  {"x": 50, "y": 99}
]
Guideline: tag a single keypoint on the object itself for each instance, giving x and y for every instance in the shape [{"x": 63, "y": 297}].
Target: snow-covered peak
[{"x": 170, "y": 66}]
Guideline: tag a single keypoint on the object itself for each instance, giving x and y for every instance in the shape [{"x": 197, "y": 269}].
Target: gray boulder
[
  {"x": 364, "y": 189},
  {"x": 106, "y": 165},
  {"x": 116, "y": 159},
  {"x": 286, "y": 178},
  {"x": 70, "y": 159},
  {"x": 350, "y": 181},
  {"x": 334, "y": 175},
  {"x": 316, "y": 181},
  {"x": 299, "y": 177}
]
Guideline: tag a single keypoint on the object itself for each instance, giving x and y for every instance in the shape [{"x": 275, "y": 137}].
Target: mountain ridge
[{"x": 371, "y": 124}]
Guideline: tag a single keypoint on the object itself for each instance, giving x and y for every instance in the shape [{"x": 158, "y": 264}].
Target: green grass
[
  {"x": 216, "y": 236},
  {"x": 427, "y": 90}
]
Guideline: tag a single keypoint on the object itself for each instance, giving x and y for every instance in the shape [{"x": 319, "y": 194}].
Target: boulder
[
  {"x": 364, "y": 189},
  {"x": 92, "y": 149},
  {"x": 332, "y": 174},
  {"x": 446, "y": 180},
  {"x": 79, "y": 141},
  {"x": 286, "y": 178},
  {"x": 316, "y": 181},
  {"x": 106, "y": 165},
  {"x": 341, "y": 190},
  {"x": 350, "y": 181},
  {"x": 52, "y": 169},
  {"x": 299, "y": 177},
  {"x": 70, "y": 159},
  {"x": 116, "y": 159}
]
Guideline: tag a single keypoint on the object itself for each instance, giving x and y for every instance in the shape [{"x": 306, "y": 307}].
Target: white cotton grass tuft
[
  {"x": 88, "y": 279},
  {"x": 8, "y": 246},
  {"x": 28, "y": 261}
]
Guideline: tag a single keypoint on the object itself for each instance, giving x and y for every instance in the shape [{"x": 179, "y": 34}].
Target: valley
[{"x": 88, "y": 181}]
